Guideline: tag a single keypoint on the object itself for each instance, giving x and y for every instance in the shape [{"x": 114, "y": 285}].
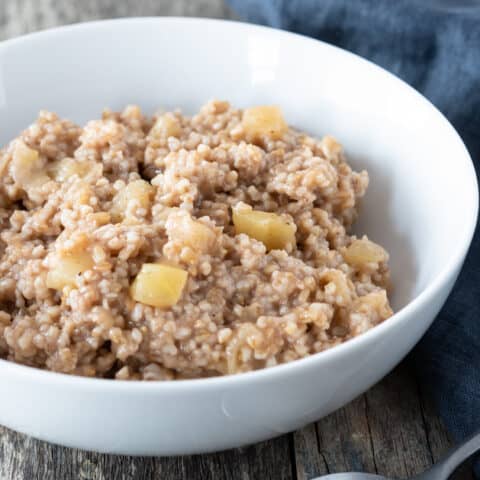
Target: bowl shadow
[{"x": 377, "y": 220}]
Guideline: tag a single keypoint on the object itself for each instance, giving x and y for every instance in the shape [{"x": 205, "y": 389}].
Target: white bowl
[{"x": 422, "y": 205}]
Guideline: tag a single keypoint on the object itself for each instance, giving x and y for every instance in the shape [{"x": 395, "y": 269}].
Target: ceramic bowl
[{"x": 421, "y": 205}]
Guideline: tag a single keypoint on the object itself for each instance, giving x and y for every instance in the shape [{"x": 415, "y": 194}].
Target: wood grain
[
  {"x": 391, "y": 430},
  {"x": 22, "y": 457},
  {"x": 22, "y": 16}
]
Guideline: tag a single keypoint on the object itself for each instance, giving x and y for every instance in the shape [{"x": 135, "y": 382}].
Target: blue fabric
[{"x": 434, "y": 45}]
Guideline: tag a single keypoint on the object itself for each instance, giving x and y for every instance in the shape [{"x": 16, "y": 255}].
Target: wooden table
[{"x": 392, "y": 429}]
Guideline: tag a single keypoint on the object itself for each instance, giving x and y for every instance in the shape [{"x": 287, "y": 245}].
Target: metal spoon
[{"x": 440, "y": 471}]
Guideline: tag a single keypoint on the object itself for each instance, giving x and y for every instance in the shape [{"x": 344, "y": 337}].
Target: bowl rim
[{"x": 424, "y": 297}]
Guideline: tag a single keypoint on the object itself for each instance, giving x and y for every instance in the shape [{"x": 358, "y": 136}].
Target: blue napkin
[{"x": 434, "y": 45}]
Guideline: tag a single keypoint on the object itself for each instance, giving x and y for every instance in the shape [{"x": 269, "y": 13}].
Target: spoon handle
[{"x": 443, "y": 469}]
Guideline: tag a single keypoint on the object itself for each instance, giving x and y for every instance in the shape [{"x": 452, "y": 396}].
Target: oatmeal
[{"x": 172, "y": 247}]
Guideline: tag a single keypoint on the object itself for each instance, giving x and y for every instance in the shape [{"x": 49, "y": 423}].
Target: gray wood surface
[{"x": 391, "y": 430}]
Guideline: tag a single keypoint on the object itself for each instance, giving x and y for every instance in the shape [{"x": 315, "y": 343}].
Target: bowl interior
[{"x": 421, "y": 196}]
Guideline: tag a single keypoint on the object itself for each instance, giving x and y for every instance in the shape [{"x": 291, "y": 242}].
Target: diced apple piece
[
  {"x": 343, "y": 286},
  {"x": 274, "y": 231},
  {"x": 363, "y": 251},
  {"x": 376, "y": 300},
  {"x": 183, "y": 228},
  {"x": 166, "y": 126},
  {"x": 158, "y": 285},
  {"x": 138, "y": 191},
  {"x": 330, "y": 146},
  {"x": 201, "y": 238},
  {"x": 25, "y": 157},
  {"x": 67, "y": 269},
  {"x": 63, "y": 169},
  {"x": 263, "y": 121},
  {"x": 26, "y": 166}
]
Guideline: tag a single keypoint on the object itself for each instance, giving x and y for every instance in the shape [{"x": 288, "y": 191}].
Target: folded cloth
[{"x": 434, "y": 45}]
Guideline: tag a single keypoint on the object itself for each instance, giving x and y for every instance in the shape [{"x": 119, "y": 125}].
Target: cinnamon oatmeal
[{"x": 172, "y": 247}]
